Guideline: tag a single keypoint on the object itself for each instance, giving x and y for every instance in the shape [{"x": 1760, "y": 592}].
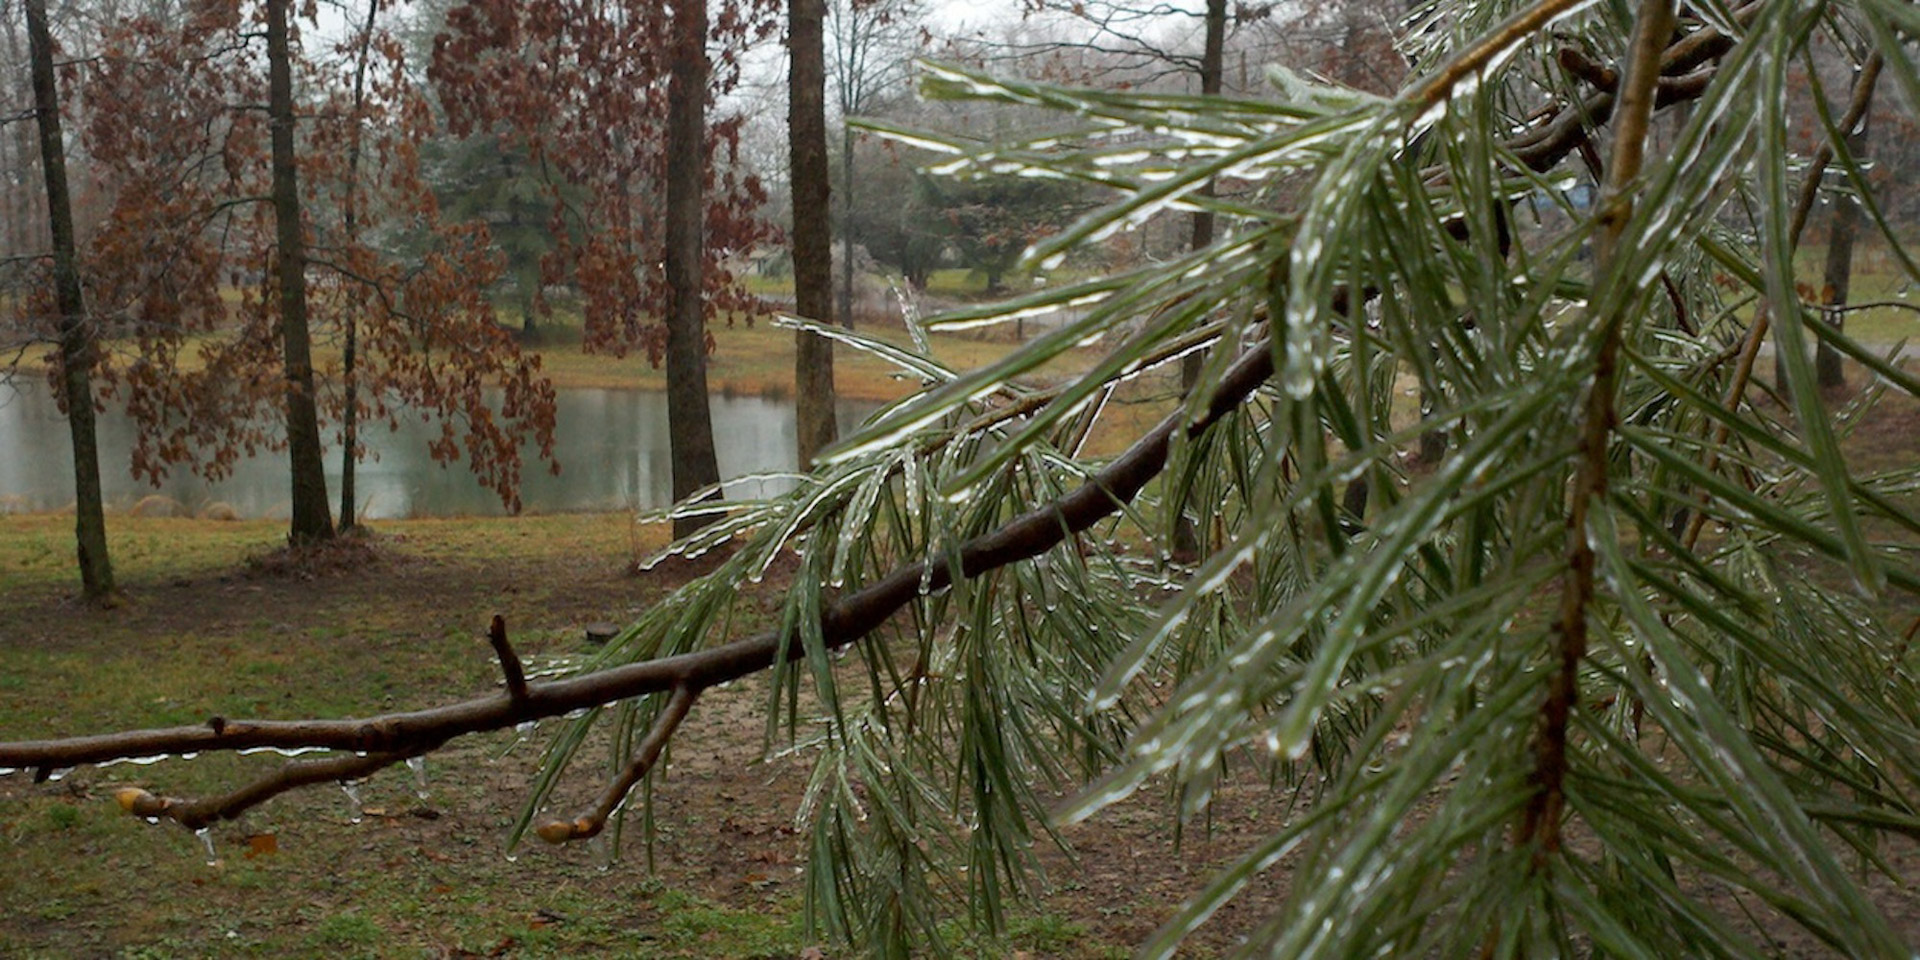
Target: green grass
[
  {"x": 1877, "y": 277},
  {"x": 200, "y": 635}
]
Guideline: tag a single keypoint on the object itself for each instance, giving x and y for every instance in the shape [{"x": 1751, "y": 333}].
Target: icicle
[
  {"x": 419, "y": 767},
  {"x": 352, "y": 789}
]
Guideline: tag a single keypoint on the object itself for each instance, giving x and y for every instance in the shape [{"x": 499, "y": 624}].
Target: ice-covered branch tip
[
  {"x": 195, "y": 814},
  {"x": 591, "y": 823}
]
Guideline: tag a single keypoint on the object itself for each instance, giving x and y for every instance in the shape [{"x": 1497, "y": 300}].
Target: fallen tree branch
[{"x": 389, "y": 738}]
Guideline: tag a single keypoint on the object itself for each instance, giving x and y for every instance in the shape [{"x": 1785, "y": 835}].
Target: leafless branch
[
  {"x": 591, "y": 823},
  {"x": 1857, "y": 106},
  {"x": 516, "y": 678},
  {"x": 1833, "y": 309},
  {"x": 386, "y": 739},
  {"x": 194, "y": 814}
]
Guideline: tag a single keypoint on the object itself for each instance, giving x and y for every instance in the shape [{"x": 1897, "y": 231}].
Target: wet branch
[
  {"x": 515, "y": 676},
  {"x": 1540, "y": 825},
  {"x": 381, "y": 741},
  {"x": 195, "y": 814},
  {"x": 591, "y": 823},
  {"x": 1860, "y": 101}
]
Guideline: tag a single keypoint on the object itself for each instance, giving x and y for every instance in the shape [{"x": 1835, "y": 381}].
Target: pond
[{"x": 612, "y": 447}]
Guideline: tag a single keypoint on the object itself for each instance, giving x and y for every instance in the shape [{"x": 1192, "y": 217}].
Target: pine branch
[
  {"x": 379, "y": 741},
  {"x": 1541, "y": 825}
]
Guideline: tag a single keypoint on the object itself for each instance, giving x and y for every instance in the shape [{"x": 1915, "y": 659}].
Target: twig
[
  {"x": 1540, "y": 825},
  {"x": 509, "y": 661},
  {"x": 1838, "y": 308},
  {"x": 194, "y": 814},
  {"x": 590, "y": 824}
]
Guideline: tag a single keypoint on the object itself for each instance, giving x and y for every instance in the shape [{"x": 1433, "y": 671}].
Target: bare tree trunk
[
  {"x": 846, "y": 224},
  {"x": 14, "y": 157},
  {"x": 1186, "y": 538},
  {"x": 689, "y": 421},
  {"x": 1829, "y": 371},
  {"x": 310, "y": 522},
  {"x": 350, "y": 413},
  {"x": 76, "y": 333},
  {"x": 812, "y": 230},
  {"x": 1212, "y": 67}
]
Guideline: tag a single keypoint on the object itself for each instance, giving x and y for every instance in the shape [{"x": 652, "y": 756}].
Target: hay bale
[
  {"x": 219, "y": 510},
  {"x": 159, "y": 505}
]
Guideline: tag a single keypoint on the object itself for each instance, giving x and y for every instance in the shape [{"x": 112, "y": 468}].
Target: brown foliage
[
  {"x": 582, "y": 88},
  {"x": 180, "y": 256}
]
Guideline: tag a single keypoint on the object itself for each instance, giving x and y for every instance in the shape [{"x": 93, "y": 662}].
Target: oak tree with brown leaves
[{"x": 181, "y": 153}]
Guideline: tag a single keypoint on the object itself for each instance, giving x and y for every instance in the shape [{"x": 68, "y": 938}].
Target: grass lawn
[{"x": 214, "y": 625}]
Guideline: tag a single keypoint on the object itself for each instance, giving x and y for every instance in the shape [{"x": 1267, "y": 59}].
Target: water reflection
[{"x": 612, "y": 446}]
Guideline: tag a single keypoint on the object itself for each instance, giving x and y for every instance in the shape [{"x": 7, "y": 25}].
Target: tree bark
[
  {"x": 76, "y": 333},
  {"x": 16, "y": 155},
  {"x": 846, "y": 224},
  {"x": 812, "y": 230},
  {"x": 1828, "y": 369},
  {"x": 1186, "y": 537},
  {"x": 689, "y": 421},
  {"x": 349, "y": 351},
  {"x": 311, "y": 521}
]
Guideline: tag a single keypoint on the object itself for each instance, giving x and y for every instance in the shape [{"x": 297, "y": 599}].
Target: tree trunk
[
  {"x": 311, "y": 521},
  {"x": 529, "y": 326},
  {"x": 689, "y": 422},
  {"x": 846, "y": 221},
  {"x": 76, "y": 333},
  {"x": 1829, "y": 371},
  {"x": 350, "y": 414},
  {"x": 812, "y": 231},
  {"x": 1186, "y": 537},
  {"x": 13, "y": 157},
  {"x": 1212, "y": 68}
]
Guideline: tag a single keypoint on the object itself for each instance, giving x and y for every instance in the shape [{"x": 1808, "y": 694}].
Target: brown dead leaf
[{"x": 262, "y": 844}]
